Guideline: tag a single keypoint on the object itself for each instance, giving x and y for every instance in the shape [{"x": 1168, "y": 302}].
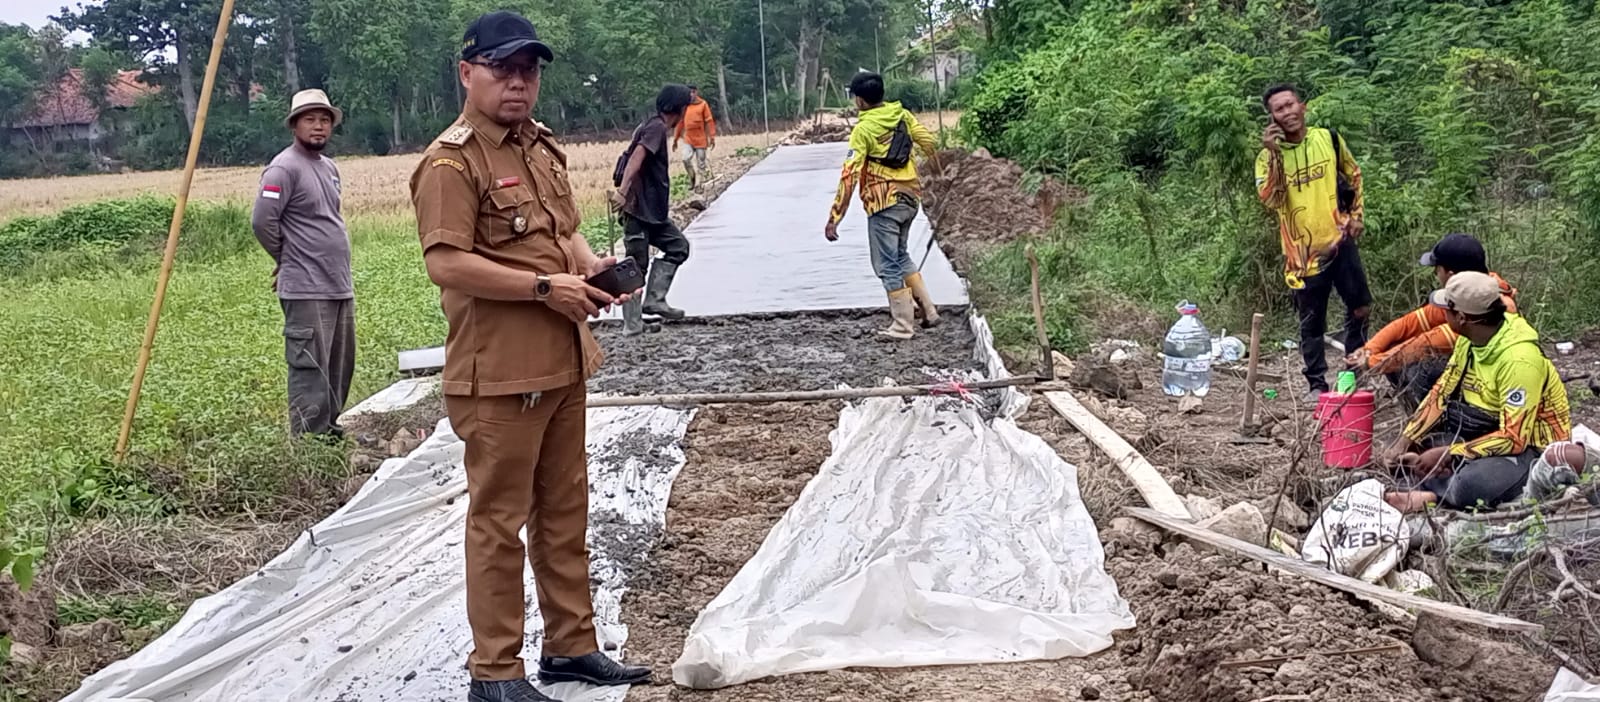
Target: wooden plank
[
  {"x": 1316, "y": 573},
  {"x": 1157, "y": 493}
]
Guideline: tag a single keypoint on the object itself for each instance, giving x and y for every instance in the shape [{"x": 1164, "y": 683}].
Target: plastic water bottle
[{"x": 1186, "y": 355}]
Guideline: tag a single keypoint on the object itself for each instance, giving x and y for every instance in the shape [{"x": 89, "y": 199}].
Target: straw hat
[{"x": 311, "y": 99}]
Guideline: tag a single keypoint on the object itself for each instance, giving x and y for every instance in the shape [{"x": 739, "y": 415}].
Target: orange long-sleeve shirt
[{"x": 1420, "y": 334}]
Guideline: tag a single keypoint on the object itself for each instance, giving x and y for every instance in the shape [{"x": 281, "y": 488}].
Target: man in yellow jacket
[
  {"x": 1498, "y": 406},
  {"x": 890, "y": 193},
  {"x": 699, "y": 128}
]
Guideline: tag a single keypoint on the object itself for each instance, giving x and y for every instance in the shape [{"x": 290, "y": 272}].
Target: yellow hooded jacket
[{"x": 880, "y": 185}]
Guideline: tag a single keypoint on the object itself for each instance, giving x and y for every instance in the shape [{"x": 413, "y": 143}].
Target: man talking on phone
[
  {"x": 1308, "y": 177},
  {"x": 499, "y": 227}
]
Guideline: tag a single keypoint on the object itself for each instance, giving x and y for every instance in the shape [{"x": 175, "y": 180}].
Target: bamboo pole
[
  {"x": 224, "y": 19},
  {"x": 1047, "y": 359},
  {"x": 803, "y": 395},
  {"x": 1249, "y": 420}
]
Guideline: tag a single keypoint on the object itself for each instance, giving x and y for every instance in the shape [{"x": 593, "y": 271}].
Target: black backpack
[
  {"x": 1346, "y": 192},
  {"x": 622, "y": 161},
  {"x": 899, "y": 148}
]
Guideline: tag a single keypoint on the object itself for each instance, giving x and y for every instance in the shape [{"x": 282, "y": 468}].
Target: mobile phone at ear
[{"x": 623, "y": 278}]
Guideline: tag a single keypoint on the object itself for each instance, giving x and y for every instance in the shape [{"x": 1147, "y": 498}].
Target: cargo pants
[
  {"x": 319, "y": 344},
  {"x": 526, "y": 467}
]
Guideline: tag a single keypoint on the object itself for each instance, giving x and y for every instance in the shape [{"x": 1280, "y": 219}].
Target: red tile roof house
[{"x": 62, "y": 116}]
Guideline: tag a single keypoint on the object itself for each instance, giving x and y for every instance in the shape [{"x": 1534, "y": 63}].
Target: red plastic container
[{"x": 1346, "y": 428}]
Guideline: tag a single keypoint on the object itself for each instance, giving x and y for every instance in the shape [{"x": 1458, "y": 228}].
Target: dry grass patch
[{"x": 372, "y": 184}]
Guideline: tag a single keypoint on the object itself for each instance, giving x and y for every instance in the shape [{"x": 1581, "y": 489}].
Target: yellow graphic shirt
[
  {"x": 881, "y": 185},
  {"x": 1300, "y": 184},
  {"x": 1510, "y": 378}
]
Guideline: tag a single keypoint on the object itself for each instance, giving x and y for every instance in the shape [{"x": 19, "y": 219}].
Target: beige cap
[
  {"x": 1468, "y": 292},
  {"x": 311, "y": 99}
]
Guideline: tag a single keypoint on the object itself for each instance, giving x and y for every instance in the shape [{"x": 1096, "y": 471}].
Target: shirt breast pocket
[{"x": 506, "y": 218}]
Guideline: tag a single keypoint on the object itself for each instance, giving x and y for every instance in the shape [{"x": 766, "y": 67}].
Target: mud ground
[
  {"x": 813, "y": 351},
  {"x": 746, "y": 465}
]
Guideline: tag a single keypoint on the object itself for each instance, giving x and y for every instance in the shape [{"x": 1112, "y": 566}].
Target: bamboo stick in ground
[
  {"x": 1248, "y": 422},
  {"x": 224, "y": 19},
  {"x": 1038, "y": 318}
]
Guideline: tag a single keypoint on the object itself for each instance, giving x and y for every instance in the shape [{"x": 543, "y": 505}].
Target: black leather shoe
[
  {"x": 506, "y": 691},
  {"x": 596, "y": 669}
]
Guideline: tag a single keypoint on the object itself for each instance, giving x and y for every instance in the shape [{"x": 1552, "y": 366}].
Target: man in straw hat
[{"x": 296, "y": 218}]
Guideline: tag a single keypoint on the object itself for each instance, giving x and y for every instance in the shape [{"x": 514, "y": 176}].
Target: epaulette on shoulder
[
  {"x": 457, "y": 135},
  {"x": 543, "y": 130}
]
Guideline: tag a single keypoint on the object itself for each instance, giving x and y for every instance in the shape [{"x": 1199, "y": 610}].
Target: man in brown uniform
[{"x": 498, "y": 223}]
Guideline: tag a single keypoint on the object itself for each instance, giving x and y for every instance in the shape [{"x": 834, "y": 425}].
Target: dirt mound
[
  {"x": 27, "y": 617},
  {"x": 821, "y": 130},
  {"x": 1197, "y": 611},
  {"x": 978, "y": 202}
]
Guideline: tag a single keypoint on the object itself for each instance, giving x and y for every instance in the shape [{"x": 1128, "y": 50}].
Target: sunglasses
[{"x": 503, "y": 70}]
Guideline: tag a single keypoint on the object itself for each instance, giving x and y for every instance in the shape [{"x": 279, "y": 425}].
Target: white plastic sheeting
[
  {"x": 369, "y": 604},
  {"x": 403, "y": 394},
  {"x": 930, "y": 536},
  {"x": 1569, "y": 687}
]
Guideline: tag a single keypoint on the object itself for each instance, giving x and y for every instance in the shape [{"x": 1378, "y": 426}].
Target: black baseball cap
[
  {"x": 499, "y": 34},
  {"x": 1459, "y": 253}
]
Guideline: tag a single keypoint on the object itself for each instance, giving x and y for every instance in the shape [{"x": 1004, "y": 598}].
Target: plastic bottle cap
[
  {"x": 1187, "y": 307},
  {"x": 1347, "y": 382}
]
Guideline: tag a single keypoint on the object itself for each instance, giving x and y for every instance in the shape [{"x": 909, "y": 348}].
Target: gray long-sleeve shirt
[{"x": 296, "y": 219}]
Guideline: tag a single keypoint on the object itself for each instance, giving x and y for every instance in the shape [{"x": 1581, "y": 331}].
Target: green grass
[{"x": 210, "y": 434}]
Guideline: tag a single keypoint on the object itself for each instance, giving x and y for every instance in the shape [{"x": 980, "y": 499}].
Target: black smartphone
[{"x": 623, "y": 278}]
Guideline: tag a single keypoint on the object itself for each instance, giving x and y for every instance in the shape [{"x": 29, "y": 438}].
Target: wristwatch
[{"x": 541, "y": 289}]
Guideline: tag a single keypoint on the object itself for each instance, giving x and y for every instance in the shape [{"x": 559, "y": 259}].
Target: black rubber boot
[
  {"x": 596, "y": 669},
  {"x": 633, "y": 320},
  {"x": 506, "y": 691},
  {"x": 655, "y": 297}
]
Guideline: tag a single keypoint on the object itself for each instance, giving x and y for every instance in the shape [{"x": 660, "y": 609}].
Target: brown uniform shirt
[{"x": 502, "y": 193}]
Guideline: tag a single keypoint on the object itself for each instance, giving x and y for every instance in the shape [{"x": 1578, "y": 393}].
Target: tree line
[{"x": 391, "y": 63}]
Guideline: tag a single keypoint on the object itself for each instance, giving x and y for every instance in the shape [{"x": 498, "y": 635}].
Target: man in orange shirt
[
  {"x": 1412, "y": 350},
  {"x": 699, "y": 128}
]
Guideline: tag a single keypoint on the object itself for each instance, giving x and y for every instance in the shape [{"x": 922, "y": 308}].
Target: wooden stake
[
  {"x": 218, "y": 39},
  {"x": 1038, "y": 318},
  {"x": 1323, "y": 576},
  {"x": 801, "y": 395},
  {"x": 1249, "y": 420}
]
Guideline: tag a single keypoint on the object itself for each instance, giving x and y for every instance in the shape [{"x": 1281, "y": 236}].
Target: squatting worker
[
  {"x": 1308, "y": 177},
  {"x": 890, "y": 192},
  {"x": 499, "y": 237},
  {"x": 1499, "y": 405},
  {"x": 296, "y": 218},
  {"x": 1412, "y": 350}
]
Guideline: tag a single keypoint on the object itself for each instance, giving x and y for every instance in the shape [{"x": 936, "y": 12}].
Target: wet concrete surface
[
  {"x": 759, "y": 246},
  {"x": 776, "y": 352}
]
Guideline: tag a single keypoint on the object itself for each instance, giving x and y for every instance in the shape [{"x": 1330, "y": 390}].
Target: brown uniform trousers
[{"x": 514, "y": 386}]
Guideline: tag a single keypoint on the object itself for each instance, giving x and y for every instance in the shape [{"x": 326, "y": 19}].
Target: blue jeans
[{"x": 888, "y": 233}]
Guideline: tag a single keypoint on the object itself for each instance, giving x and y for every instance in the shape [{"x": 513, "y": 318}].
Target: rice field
[{"x": 372, "y": 184}]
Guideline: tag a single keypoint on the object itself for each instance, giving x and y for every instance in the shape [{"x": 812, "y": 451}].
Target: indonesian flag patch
[{"x": 271, "y": 192}]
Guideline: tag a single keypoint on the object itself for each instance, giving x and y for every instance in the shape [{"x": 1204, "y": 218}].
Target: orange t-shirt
[{"x": 698, "y": 127}]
